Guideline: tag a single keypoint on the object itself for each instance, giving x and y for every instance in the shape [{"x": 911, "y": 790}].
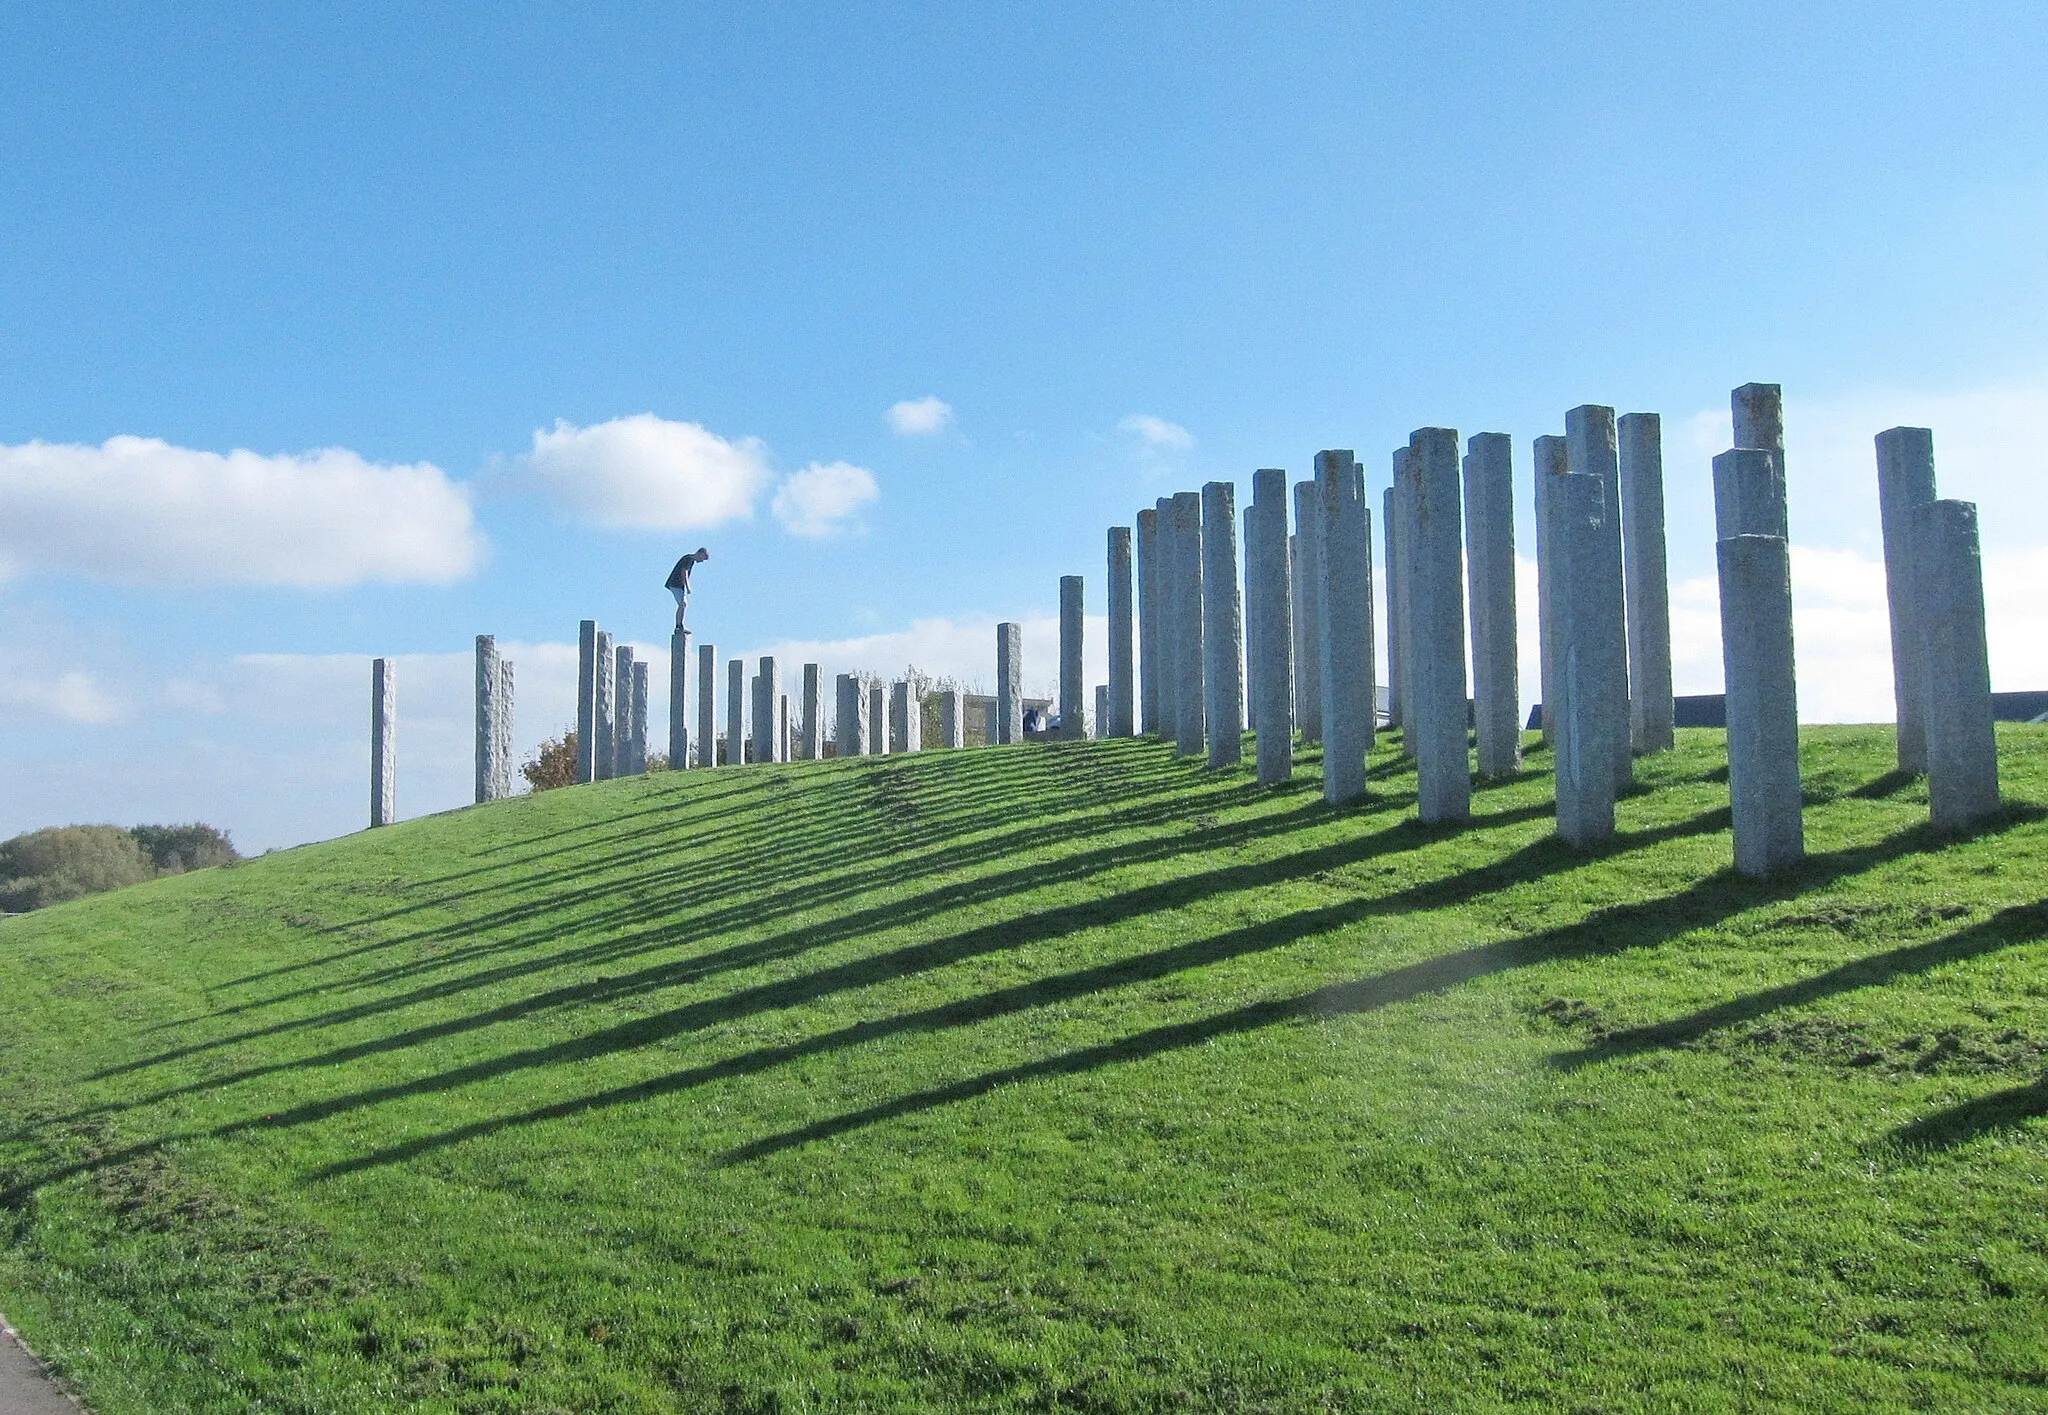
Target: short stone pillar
[
  {"x": 1148, "y": 621},
  {"x": 622, "y": 710},
  {"x": 735, "y": 712},
  {"x": 952, "y": 722},
  {"x": 678, "y": 699},
  {"x": 605, "y": 720},
  {"x": 1962, "y": 744},
  {"x": 1763, "y": 702},
  {"x": 783, "y": 733},
  {"x": 1009, "y": 683},
  {"x": 1121, "y": 718},
  {"x": 383, "y": 742},
  {"x": 586, "y": 701},
  {"x": 1189, "y": 656},
  {"x": 1308, "y": 611},
  {"x": 493, "y": 765},
  {"x": 1592, "y": 449},
  {"x": 638, "y": 764},
  {"x": 1270, "y": 626},
  {"x": 810, "y": 745},
  {"x": 1434, "y": 594},
  {"x": 767, "y": 707},
  {"x": 989, "y": 732},
  {"x": 1645, "y": 582},
  {"x": 1165, "y": 636},
  {"x": 1550, "y": 464},
  {"x": 1072, "y": 684},
  {"x": 1222, "y": 626},
  {"x": 878, "y": 720},
  {"x": 906, "y": 718},
  {"x": 1098, "y": 724},
  {"x": 1585, "y": 603},
  {"x": 1905, "y": 483},
  {"x": 707, "y": 705},
  {"x": 1490, "y": 573},
  {"x": 849, "y": 726},
  {"x": 1343, "y": 576},
  {"x": 1749, "y": 494}
]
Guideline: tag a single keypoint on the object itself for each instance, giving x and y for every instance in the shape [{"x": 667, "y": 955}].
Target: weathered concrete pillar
[
  {"x": 678, "y": 699},
  {"x": 1073, "y": 712},
  {"x": 505, "y": 737},
  {"x": 906, "y": 718},
  {"x": 782, "y": 727},
  {"x": 1591, "y": 449},
  {"x": 707, "y": 705},
  {"x": 1905, "y": 483},
  {"x": 952, "y": 722},
  {"x": 1343, "y": 576},
  {"x": 1271, "y": 626},
  {"x": 622, "y": 710},
  {"x": 990, "y": 728},
  {"x": 811, "y": 745},
  {"x": 1490, "y": 570},
  {"x": 1749, "y": 494},
  {"x": 1148, "y": 621},
  {"x": 735, "y": 712},
  {"x": 1222, "y": 626},
  {"x": 638, "y": 765},
  {"x": 489, "y": 683},
  {"x": 1758, "y": 410},
  {"x": 1550, "y": 461},
  {"x": 1397, "y": 687},
  {"x": 1190, "y": 658},
  {"x": 1098, "y": 725},
  {"x": 1645, "y": 583},
  {"x": 849, "y": 729},
  {"x": 1763, "y": 703},
  {"x": 1962, "y": 744},
  {"x": 1120, "y": 720},
  {"x": 606, "y": 718},
  {"x": 586, "y": 701},
  {"x": 1435, "y": 597},
  {"x": 1402, "y": 630},
  {"x": 878, "y": 720},
  {"x": 1009, "y": 683},
  {"x": 1166, "y": 605},
  {"x": 1251, "y": 618},
  {"x": 1308, "y": 611},
  {"x": 767, "y": 704},
  {"x": 1585, "y": 602},
  {"x": 383, "y": 742}
]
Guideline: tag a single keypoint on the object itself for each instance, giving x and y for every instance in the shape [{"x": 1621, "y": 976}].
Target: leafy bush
[
  {"x": 174, "y": 849},
  {"x": 553, "y": 764},
  {"x": 63, "y": 862}
]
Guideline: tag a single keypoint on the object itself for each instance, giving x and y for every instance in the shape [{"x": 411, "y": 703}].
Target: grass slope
[{"x": 1049, "y": 1078}]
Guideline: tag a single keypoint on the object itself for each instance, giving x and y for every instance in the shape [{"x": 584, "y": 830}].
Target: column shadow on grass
[{"x": 1958, "y": 1125}]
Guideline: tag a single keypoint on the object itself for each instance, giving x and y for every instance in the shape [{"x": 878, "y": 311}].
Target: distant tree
[
  {"x": 174, "y": 849},
  {"x": 657, "y": 761},
  {"x": 553, "y": 763},
  {"x": 64, "y": 862}
]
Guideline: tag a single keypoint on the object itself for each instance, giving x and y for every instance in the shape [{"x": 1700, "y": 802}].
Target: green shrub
[
  {"x": 174, "y": 849},
  {"x": 63, "y": 862}
]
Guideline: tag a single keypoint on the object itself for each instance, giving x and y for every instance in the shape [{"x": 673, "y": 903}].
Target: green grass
[{"x": 1050, "y": 1078}]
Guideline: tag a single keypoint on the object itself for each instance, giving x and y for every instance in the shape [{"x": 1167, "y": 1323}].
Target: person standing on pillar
[{"x": 678, "y": 583}]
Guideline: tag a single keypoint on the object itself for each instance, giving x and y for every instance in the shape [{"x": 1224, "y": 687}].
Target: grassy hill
[{"x": 1063, "y": 1077}]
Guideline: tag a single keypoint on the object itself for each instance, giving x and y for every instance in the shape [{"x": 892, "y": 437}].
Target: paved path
[{"x": 24, "y": 1390}]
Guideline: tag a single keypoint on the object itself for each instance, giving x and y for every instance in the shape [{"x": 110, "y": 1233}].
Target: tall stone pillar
[
  {"x": 1009, "y": 683},
  {"x": 906, "y": 718},
  {"x": 1251, "y": 618},
  {"x": 811, "y": 745},
  {"x": 1271, "y": 629},
  {"x": 1490, "y": 571},
  {"x": 1905, "y": 483},
  {"x": 1435, "y": 597},
  {"x": 1189, "y": 656},
  {"x": 383, "y": 742},
  {"x": 1402, "y": 631},
  {"x": 1397, "y": 686},
  {"x": 678, "y": 699},
  {"x": 1591, "y": 449},
  {"x": 1222, "y": 626},
  {"x": 503, "y": 717},
  {"x": 1148, "y": 621},
  {"x": 1098, "y": 725},
  {"x": 849, "y": 730},
  {"x": 1585, "y": 605},
  {"x": 586, "y": 701},
  {"x": 1072, "y": 685},
  {"x": 1343, "y": 576},
  {"x": 952, "y": 724},
  {"x": 707, "y": 705},
  {"x": 490, "y": 681},
  {"x": 782, "y": 727},
  {"x": 1166, "y": 631},
  {"x": 767, "y": 702},
  {"x": 1645, "y": 582},
  {"x": 1962, "y": 745},
  {"x": 605, "y": 719},
  {"x": 878, "y": 720},
  {"x": 622, "y": 711},
  {"x": 1550, "y": 463},
  {"x": 1763, "y": 704},
  {"x": 735, "y": 712},
  {"x": 1308, "y": 611},
  {"x": 1120, "y": 719},
  {"x": 638, "y": 765}
]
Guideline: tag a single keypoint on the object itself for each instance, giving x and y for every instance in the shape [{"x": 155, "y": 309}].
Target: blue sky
[{"x": 1128, "y": 249}]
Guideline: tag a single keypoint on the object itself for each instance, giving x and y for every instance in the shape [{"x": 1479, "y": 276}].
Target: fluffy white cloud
[
  {"x": 1157, "y": 432},
  {"x": 920, "y": 417},
  {"x": 823, "y": 498},
  {"x": 73, "y": 696},
  {"x": 137, "y": 510},
  {"x": 648, "y": 473}
]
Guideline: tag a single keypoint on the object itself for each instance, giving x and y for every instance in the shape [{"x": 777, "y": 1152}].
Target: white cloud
[
  {"x": 1158, "y": 432},
  {"x": 137, "y": 510},
  {"x": 69, "y": 697},
  {"x": 822, "y": 499},
  {"x": 648, "y": 473},
  {"x": 920, "y": 417}
]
